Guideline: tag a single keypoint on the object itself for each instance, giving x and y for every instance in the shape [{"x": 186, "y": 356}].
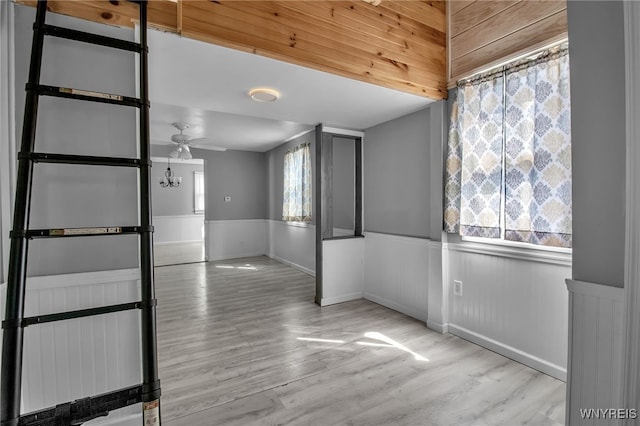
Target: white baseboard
[
  {"x": 236, "y": 256},
  {"x": 326, "y": 301},
  {"x": 293, "y": 265},
  {"x": 510, "y": 352},
  {"x": 436, "y": 326},
  {"x": 407, "y": 310}
]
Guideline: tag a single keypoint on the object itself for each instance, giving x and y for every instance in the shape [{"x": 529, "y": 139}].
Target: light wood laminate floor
[
  {"x": 176, "y": 253},
  {"x": 242, "y": 343}
]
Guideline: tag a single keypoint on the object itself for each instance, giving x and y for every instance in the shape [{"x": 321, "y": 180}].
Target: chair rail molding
[{"x": 631, "y": 365}]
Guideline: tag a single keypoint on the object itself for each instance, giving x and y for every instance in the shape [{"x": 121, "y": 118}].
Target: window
[
  {"x": 198, "y": 192},
  {"x": 508, "y": 169},
  {"x": 296, "y": 200}
]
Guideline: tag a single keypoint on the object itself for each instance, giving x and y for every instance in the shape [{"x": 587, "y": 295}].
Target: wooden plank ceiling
[
  {"x": 399, "y": 44},
  {"x": 485, "y": 32}
]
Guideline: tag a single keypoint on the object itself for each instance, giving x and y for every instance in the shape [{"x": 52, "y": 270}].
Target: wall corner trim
[
  {"x": 326, "y": 301},
  {"x": 631, "y": 362},
  {"x": 595, "y": 351}
]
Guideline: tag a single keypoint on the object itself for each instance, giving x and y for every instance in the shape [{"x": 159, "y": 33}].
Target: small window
[
  {"x": 296, "y": 198},
  {"x": 198, "y": 192}
]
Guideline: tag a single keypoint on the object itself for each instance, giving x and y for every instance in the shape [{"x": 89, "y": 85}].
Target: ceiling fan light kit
[{"x": 182, "y": 151}]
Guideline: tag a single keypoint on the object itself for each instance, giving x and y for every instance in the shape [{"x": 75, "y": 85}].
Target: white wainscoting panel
[
  {"x": 230, "y": 239},
  {"x": 72, "y": 359},
  {"x": 438, "y": 294},
  {"x": 596, "y": 324},
  {"x": 513, "y": 302},
  {"x": 342, "y": 270},
  {"x": 396, "y": 273},
  {"x": 293, "y": 244},
  {"x": 174, "y": 229}
]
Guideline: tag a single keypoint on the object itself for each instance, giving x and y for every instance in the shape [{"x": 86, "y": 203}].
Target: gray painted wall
[
  {"x": 343, "y": 183},
  {"x": 174, "y": 201},
  {"x": 596, "y": 46},
  {"x": 274, "y": 176},
  {"x": 397, "y": 175},
  {"x": 239, "y": 174},
  {"x": 77, "y": 196}
]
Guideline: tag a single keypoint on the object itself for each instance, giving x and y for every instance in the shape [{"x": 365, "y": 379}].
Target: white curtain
[{"x": 296, "y": 200}]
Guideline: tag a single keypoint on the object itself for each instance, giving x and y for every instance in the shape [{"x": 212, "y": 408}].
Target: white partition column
[
  {"x": 339, "y": 260},
  {"x": 342, "y": 270}
]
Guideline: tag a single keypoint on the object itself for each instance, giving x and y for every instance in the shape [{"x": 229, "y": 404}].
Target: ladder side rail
[
  {"x": 13, "y": 334},
  {"x": 151, "y": 382}
]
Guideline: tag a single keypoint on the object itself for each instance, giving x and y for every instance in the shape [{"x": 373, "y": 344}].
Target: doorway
[{"x": 178, "y": 211}]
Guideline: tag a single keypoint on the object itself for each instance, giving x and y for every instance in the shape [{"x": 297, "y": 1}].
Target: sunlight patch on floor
[{"x": 374, "y": 335}]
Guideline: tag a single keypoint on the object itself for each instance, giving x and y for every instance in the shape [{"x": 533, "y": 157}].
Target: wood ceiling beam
[
  {"x": 162, "y": 14},
  {"x": 399, "y": 44}
]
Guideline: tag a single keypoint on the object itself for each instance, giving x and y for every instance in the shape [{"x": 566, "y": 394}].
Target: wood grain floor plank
[{"x": 241, "y": 343}]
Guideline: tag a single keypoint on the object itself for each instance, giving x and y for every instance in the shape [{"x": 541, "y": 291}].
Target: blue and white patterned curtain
[
  {"x": 474, "y": 164},
  {"x": 296, "y": 202},
  {"x": 538, "y": 152},
  {"x": 508, "y": 168}
]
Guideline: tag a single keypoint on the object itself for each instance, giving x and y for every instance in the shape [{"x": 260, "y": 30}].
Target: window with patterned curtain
[
  {"x": 508, "y": 167},
  {"x": 296, "y": 200}
]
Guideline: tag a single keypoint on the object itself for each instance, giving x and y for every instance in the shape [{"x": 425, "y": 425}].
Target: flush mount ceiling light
[{"x": 262, "y": 94}]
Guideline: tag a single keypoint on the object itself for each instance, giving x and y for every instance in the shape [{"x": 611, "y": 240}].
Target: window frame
[{"x": 198, "y": 175}]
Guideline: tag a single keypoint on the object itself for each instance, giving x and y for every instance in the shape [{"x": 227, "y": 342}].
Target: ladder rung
[
  {"x": 61, "y": 316},
  {"x": 83, "y": 410},
  {"x": 41, "y": 157},
  {"x": 82, "y": 232},
  {"x": 84, "y": 95},
  {"x": 85, "y": 37}
]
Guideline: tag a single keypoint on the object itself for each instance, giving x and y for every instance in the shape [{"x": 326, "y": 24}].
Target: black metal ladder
[{"x": 148, "y": 392}]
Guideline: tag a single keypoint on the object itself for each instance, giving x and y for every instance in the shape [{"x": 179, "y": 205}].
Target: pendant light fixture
[{"x": 169, "y": 180}]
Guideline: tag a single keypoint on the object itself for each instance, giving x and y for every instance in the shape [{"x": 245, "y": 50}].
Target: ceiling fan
[{"x": 183, "y": 143}]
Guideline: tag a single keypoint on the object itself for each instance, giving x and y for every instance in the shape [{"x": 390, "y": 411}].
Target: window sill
[
  {"x": 513, "y": 250},
  {"x": 298, "y": 224}
]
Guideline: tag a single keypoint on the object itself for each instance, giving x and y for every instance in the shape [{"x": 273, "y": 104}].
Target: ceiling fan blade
[
  {"x": 199, "y": 140},
  {"x": 205, "y": 143}
]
